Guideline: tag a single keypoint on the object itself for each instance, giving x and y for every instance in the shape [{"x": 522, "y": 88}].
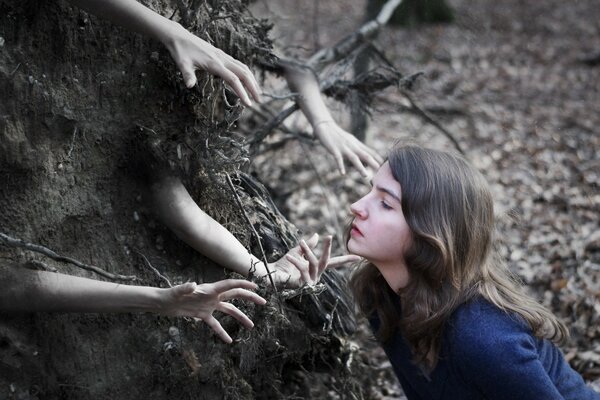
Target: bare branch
[
  {"x": 366, "y": 32},
  {"x": 10, "y": 241},
  {"x": 273, "y": 123}
]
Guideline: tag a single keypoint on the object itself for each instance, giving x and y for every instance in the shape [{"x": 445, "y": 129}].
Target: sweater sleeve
[{"x": 496, "y": 355}]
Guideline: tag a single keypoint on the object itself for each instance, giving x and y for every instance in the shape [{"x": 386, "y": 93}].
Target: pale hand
[
  {"x": 300, "y": 266},
  {"x": 191, "y": 53},
  {"x": 343, "y": 145},
  {"x": 201, "y": 300}
]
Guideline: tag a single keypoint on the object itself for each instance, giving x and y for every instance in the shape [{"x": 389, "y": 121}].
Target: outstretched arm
[
  {"x": 188, "y": 51},
  {"x": 176, "y": 209},
  {"x": 31, "y": 291},
  {"x": 341, "y": 144},
  {"x": 181, "y": 214}
]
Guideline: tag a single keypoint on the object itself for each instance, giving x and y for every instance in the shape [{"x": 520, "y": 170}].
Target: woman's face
[{"x": 379, "y": 231}]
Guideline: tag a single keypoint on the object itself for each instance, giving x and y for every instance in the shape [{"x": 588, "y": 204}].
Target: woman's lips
[{"x": 355, "y": 231}]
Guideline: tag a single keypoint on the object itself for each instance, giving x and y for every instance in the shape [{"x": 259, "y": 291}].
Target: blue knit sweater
[{"x": 488, "y": 354}]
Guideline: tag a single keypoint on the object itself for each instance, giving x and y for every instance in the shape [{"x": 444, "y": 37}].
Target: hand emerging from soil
[
  {"x": 200, "y": 301},
  {"x": 189, "y": 52},
  {"x": 293, "y": 270},
  {"x": 40, "y": 291}
]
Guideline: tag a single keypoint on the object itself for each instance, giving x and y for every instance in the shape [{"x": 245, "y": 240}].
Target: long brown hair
[{"x": 449, "y": 208}]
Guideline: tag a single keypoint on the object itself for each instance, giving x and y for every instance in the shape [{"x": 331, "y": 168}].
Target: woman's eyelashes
[{"x": 385, "y": 205}]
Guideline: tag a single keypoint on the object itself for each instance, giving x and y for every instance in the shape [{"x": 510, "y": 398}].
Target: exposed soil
[{"x": 87, "y": 112}]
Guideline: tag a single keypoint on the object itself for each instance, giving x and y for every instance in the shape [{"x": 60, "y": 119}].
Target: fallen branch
[
  {"x": 351, "y": 44},
  {"x": 273, "y": 123},
  {"x": 10, "y": 241},
  {"x": 365, "y": 33}
]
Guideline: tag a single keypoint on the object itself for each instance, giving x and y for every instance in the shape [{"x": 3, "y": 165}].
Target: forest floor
[{"x": 518, "y": 85}]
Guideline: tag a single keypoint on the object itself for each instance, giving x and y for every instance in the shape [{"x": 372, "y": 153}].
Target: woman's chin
[{"x": 354, "y": 249}]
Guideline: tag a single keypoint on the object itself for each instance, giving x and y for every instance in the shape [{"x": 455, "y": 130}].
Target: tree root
[{"x": 13, "y": 242}]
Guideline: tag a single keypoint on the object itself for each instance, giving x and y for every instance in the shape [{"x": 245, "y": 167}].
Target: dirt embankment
[{"x": 86, "y": 110}]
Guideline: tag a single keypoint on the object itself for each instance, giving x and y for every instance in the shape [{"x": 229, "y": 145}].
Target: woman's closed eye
[{"x": 385, "y": 205}]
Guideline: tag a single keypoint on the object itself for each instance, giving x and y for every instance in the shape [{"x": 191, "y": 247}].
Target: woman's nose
[{"x": 358, "y": 210}]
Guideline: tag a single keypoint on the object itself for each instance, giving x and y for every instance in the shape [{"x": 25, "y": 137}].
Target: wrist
[
  {"x": 257, "y": 269},
  {"x": 150, "y": 299},
  {"x": 324, "y": 121},
  {"x": 170, "y": 33}
]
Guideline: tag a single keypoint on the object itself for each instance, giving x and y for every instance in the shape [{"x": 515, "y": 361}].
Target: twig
[
  {"x": 72, "y": 142},
  {"x": 265, "y": 114},
  {"x": 323, "y": 190},
  {"x": 10, "y": 241},
  {"x": 15, "y": 70},
  {"x": 267, "y": 128},
  {"x": 256, "y": 235},
  {"x": 366, "y": 32},
  {"x": 40, "y": 265},
  {"x": 157, "y": 272},
  {"x": 331, "y": 316},
  {"x": 427, "y": 117}
]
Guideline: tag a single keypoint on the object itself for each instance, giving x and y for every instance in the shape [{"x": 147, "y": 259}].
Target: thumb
[{"x": 189, "y": 77}]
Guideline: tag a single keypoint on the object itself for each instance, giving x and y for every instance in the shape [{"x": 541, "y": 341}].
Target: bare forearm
[
  {"x": 304, "y": 82},
  {"x": 182, "y": 215},
  {"x": 31, "y": 291},
  {"x": 131, "y": 15}
]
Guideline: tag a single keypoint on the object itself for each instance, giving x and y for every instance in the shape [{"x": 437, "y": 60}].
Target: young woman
[{"x": 449, "y": 314}]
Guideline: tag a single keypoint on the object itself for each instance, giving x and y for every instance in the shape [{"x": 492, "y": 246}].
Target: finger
[
  {"x": 227, "y": 284},
  {"x": 189, "y": 78},
  {"x": 376, "y": 156},
  {"x": 247, "y": 77},
  {"x": 235, "y": 312},
  {"x": 235, "y": 83},
  {"x": 188, "y": 73},
  {"x": 367, "y": 157},
  {"x": 308, "y": 253},
  {"x": 218, "y": 329},
  {"x": 242, "y": 294},
  {"x": 301, "y": 266},
  {"x": 355, "y": 160},
  {"x": 324, "y": 259},
  {"x": 340, "y": 260},
  {"x": 339, "y": 160}
]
